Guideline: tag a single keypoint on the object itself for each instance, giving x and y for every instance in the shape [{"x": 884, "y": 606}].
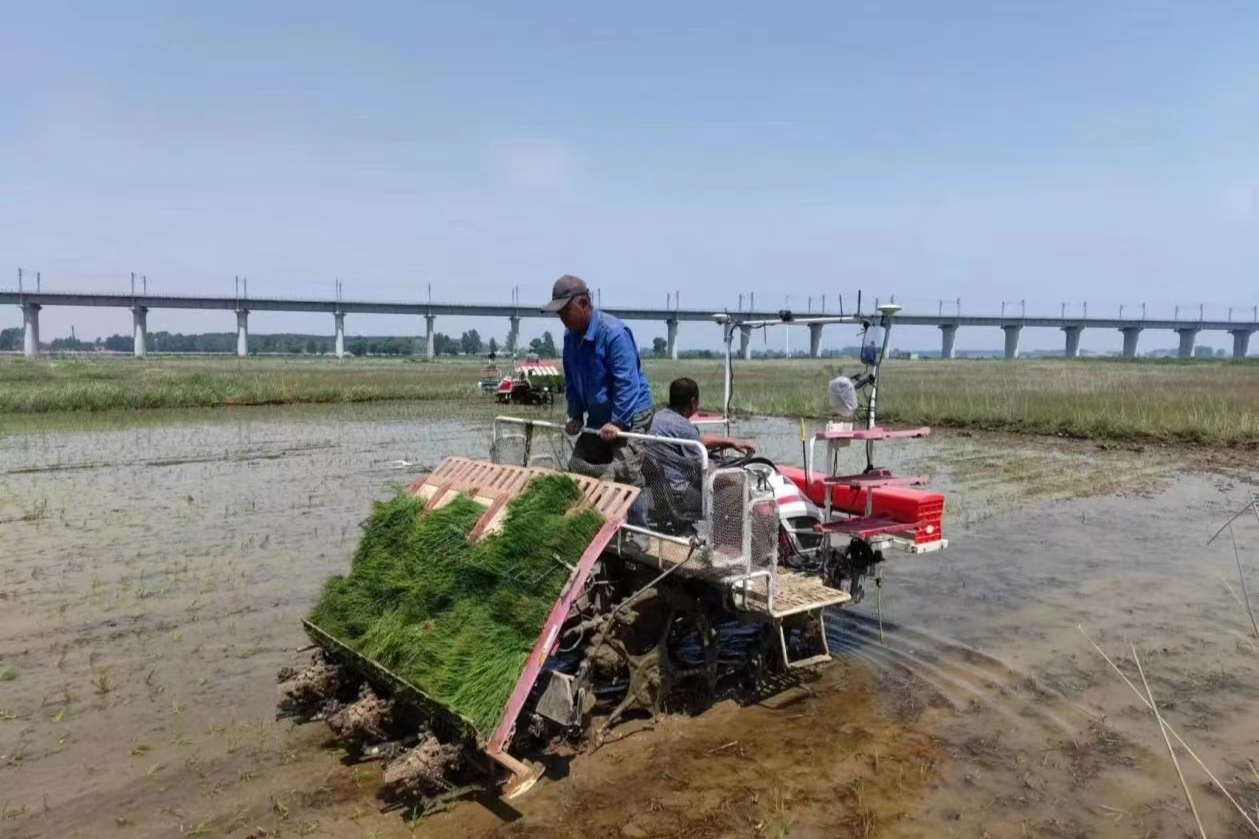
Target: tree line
[{"x": 469, "y": 343}]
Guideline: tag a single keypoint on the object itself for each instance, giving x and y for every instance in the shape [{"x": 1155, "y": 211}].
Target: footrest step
[{"x": 812, "y": 661}]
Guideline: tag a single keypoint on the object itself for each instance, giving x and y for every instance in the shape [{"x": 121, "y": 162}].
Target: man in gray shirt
[{"x": 678, "y": 466}]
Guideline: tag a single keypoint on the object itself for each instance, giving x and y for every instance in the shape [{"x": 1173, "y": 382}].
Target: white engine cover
[{"x": 791, "y": 502}]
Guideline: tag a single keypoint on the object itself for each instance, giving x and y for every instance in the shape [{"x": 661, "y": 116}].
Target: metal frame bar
[
  {"x": 740, "y": 584},
  {"x": 826, "y": 647},
  {"x": 732, "y": 319},
  {"x": 696, "y": 445},
  {"x": 633, "y": 528},
  {"x": 732, "y": 323}
]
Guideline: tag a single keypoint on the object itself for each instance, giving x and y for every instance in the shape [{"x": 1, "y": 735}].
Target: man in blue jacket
[{"x": 605, "y": 386}]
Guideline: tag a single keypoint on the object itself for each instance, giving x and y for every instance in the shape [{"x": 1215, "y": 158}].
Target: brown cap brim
[{"x": 557, "y": 304}]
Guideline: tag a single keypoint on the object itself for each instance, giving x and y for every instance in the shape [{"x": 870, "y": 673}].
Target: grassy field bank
[{"x": 1207, "y": 402}]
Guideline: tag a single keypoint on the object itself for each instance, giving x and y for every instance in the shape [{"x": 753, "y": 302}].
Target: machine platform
[
  {"x": 867, "y": 527},
  {"x": 880, "y": 478},
  {"x": 796, "y": 593}
]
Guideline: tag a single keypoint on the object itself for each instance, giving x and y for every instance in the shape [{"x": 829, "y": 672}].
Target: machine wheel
[{"x": 657, "y": 679}]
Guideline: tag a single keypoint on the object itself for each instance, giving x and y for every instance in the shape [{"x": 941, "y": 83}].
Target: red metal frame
[
  {"x": 878, "y": 478},
  {"x": 867, "y": 527},
  {"x": 546, "y": 640},
  {"x": 500, "y": 499}
]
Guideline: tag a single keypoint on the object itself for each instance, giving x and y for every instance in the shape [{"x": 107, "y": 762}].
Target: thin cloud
[{"x": 536, "y": 164}]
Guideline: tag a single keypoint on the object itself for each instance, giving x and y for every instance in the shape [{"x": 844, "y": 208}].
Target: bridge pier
[
  {"x": 815, "y": 340},
  {"x": 339, "y": 318},
  {"x": 1187, "y": 337},
  {"x": 140, "y": 321},
  {"x": 30, "y": 329},
  {"x": 745, "y": 342},
  {"x": 242, "y": 332},
  {"x": 948, "y": 340},
  {"x": 673, "y": 338},
  {"x": 1072, "y": 349},
  {"x": 513, "y": 333},
  {"x": 1130, "y": 336},
  {"x": 430, "y": 345},
  {"x": 1241, "y": 342},
  {"x": 1012, "y": 332}
]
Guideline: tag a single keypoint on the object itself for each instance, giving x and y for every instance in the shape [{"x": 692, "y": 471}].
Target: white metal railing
[
  {"x": 739, "y": 588},
  {"x": 696, "y": 446},
  {"x": 743, "y": 571}
]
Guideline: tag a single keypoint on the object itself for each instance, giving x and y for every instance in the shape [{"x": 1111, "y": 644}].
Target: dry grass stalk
[
  {"x": 1229, "y": 588},
  {"x": 1241, "y": 575},
  {"x": 1162, "y": 729},
  {"x": 1172, "y": 731}
]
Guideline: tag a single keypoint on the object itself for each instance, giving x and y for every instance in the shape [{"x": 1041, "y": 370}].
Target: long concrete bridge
[{"x": 1072, "y": 327}]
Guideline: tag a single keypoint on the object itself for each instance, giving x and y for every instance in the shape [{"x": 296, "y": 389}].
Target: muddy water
[{"x": 151, "y": 578}]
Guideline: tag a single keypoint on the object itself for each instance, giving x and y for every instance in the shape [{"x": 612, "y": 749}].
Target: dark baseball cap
[{"x": 565, "y": 289}]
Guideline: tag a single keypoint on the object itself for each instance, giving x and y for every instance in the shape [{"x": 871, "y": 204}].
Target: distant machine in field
[{"x": 532, "y": 382}]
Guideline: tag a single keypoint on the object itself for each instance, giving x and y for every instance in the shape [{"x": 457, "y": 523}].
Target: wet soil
[{"x": 152, "y": 577}]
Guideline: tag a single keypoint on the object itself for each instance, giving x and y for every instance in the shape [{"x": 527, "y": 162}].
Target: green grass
[
  {"x": 1209, "y": 402},
  {"x": 456, "y": 619},
  {"x": 120, "y": 384},
  {"x": 1202, "y": 402}
]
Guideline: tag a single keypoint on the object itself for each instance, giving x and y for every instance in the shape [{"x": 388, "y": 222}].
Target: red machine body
[{"x": 902, "y": 504}]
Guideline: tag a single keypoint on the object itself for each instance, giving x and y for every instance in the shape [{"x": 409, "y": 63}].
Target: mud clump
[
  {"x": 420, "y": 771},
  {"x": 304, "y": 693},
  {"x": 1105, "y": 749},
  {"x": 364, "y": 719}
]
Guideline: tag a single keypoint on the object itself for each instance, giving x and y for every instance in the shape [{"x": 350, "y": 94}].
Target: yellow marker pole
[{"x": 804, "y": 454}]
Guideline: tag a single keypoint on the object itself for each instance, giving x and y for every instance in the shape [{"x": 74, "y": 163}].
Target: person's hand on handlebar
[
  {"x": 609, "y": 432},
  {"x": 717, "y": 442}
]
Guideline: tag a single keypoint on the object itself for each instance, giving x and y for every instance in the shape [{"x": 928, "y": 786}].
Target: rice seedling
[
  {"x": 102, "y": 683},
  {"x": 7, "y": 672},
  {"x": 204, "y": 828},
  {"x": 458, "y": 619},
  {"x": 60, "y": 695}
]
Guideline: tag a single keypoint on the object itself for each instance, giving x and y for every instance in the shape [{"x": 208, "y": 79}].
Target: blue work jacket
[{"x": 603, "y": 374}]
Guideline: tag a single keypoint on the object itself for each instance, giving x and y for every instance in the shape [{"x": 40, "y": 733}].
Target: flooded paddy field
[{"x": 153, "y": 572}]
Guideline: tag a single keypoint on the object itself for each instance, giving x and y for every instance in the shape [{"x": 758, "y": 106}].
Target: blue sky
[{"x": 1049, "y": 152}]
